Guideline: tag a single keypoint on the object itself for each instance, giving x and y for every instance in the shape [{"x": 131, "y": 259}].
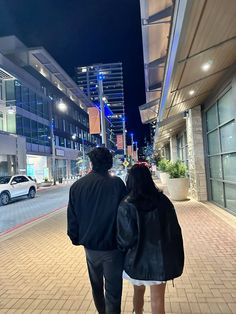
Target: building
[
  {"x": 43, "y": 114},
  {"x": 113, "y": 92},
  {"x": 190, "y": 56}
]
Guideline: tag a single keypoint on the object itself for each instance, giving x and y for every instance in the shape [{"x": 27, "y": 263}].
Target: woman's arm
[{"x": 127, "y": 231}]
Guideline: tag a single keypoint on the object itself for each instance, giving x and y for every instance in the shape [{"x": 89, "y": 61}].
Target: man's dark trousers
[{"x": 106, "y": 267}]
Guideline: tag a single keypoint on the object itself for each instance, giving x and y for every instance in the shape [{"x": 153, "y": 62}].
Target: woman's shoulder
[{"x": 127, "y": 205}]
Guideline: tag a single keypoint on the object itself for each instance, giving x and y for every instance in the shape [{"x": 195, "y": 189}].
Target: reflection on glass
[
  {"x": 228, "y": 138},
  {"x": 226, "y": 107},
  {"x": 211, "y": 117},
  {"x": 213, "y": 143},
  {"x": 217, "y": 192},
  {"x": 215, "y": 167},
  {"x": 229, "y": 166},
  {"x": 230, "y": 195}
]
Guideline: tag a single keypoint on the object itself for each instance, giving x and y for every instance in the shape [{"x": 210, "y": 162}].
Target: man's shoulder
[
  {"x": 81, "y": 181},
  {"x": 117, "y": 180}
]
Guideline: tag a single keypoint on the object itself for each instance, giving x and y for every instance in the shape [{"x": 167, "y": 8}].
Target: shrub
[
  {"x": 177, "y": 169},
  {"x": 163, "y": 165}
]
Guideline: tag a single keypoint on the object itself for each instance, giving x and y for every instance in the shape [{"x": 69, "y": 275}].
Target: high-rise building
[{"x": 113, "y": 92}]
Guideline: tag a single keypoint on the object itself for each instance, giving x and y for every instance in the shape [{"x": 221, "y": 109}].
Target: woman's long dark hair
[{"x": 140, "y": 186}]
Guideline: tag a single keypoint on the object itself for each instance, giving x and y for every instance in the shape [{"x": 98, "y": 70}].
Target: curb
[{"x": 27, "y": 224}]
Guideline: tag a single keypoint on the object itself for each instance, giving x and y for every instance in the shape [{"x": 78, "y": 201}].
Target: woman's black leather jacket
[{"x": 152, "y": 240}]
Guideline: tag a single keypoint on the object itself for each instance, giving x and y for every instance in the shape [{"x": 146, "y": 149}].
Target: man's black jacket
[{"x": 92, "y": 211}]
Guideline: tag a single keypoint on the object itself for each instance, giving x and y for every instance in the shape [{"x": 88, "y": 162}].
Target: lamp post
[
  {"x": 100, "y": 78},
  {"x": 124, "y": 137},
  {"x": 53, "y": 151},
  {"x": 61, "y": 106},
  {"x": 132, "y": 147},
  {"x": 136, "y": 150}
]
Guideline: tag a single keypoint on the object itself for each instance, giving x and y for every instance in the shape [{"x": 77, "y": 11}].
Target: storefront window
[
  {"x": 1, "y": 121},
  {"x": 212, "y": 118},
  {"x": 228, "y": 138},
  {"x": 229, "y": 162},
  {"x": 226, "y": 107},
  {"x": 221, "y": 126},
  {"x": 213, "y": 143}
]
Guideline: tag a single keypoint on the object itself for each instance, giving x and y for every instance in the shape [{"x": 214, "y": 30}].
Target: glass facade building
[{"x": 32, "y": 86}]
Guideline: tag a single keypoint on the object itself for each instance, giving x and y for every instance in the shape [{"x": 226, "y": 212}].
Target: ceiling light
[
  {"x": 206, "y": 66},
  {"x": 191, "y": 92}
]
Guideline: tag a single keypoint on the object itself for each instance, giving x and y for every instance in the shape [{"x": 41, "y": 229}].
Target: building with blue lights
[{"x": 113, "y": 92}]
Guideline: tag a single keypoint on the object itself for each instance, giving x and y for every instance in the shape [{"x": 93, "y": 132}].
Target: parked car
[{"x": 16, "y": 186}]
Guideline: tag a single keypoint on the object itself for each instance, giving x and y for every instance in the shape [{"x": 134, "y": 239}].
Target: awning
[{"x": 149, "y": 111}]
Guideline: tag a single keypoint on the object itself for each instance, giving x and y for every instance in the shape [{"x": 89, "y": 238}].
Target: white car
[{"x": 15, "y": 186}]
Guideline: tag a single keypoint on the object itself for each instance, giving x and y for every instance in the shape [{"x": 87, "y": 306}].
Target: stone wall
[{"x": 197, "y": 173}]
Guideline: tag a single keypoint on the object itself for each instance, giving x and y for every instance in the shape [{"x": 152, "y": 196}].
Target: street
[{"x": 24, "y": 210}]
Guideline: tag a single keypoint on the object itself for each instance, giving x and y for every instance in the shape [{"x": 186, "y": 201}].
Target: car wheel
[
  {"x": 4, "y": 198},
  {"x": 31, "y": 193}
]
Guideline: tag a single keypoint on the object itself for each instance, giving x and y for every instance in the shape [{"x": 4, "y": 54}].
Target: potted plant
[
  {"x": 46, "y": 183},
  {"x": 178, "y": 183},
  {"x": 163, "y": 168}
]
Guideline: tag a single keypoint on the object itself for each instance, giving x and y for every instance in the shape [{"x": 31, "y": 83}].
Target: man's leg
[
  {"x": 95, "y": 270},
  {"x": 112, "y": 270}
]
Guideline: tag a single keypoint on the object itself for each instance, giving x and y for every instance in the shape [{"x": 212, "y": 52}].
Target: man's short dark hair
[{"x": 101, "y": 159}]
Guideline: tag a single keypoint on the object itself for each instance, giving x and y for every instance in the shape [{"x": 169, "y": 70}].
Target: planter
[
  {"x": 164, "y": 177},
  {"x": 178, "y": 188},
  {"x": 45, "y": 184}
]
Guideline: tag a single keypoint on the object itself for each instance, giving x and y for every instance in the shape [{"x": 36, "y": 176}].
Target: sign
[
  {"x": 94, "y": 120},
  {"x": 60, "y": 152},
  {"x": 126, "y": 163},
  {"x": 129, "y": 150},
  {"x": 119, "y": 141}
]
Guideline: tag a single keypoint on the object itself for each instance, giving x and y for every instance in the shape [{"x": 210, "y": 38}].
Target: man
[{"x": 91, "y": 215}]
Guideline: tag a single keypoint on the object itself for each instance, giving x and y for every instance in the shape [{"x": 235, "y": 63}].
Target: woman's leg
[
  {"x": 158, "y": 298},
  {"x": 138, "y": 299}
]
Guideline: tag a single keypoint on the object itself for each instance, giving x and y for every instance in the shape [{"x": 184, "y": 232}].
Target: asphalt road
[{"x": 24, "y": 210}]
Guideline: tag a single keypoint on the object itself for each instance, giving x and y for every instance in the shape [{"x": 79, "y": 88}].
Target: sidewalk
[{"x": 41, "y": 272}]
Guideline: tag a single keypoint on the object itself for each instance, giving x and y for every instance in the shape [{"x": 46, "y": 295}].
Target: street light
[
  {"x": 100, "y": 78},
  {"x": 132, "y": 147},
  {"x": 62, "y": 106}
]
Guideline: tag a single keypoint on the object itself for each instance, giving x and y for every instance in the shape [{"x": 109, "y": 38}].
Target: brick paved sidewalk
[{"x": 41, "y": 272}]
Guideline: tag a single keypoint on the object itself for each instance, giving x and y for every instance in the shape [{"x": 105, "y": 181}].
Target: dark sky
[{"x": 82, "y": 32}]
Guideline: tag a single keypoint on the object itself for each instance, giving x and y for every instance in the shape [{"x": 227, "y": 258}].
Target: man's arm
[{"x": 72, "y": 223}]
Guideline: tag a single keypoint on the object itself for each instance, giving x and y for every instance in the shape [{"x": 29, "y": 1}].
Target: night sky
[{"x": 82, "y": 32}]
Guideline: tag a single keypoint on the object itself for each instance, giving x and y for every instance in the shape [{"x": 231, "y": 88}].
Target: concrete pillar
[
  {"x": 173, "y": 148},
  {"x": 197, "y": 172}
]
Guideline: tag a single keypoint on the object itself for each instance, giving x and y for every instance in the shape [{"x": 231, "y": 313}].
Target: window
[
  {"x": 61, "y": 141},
  {"x": 1, "y": 121},
  {"x": 182, "y": 147},
  {"x": 221, "y": 141},
  {"x": 20, "y": 179}
]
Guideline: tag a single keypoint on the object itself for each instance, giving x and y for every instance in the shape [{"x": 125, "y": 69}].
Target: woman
[{"x": 149, "y": 233}]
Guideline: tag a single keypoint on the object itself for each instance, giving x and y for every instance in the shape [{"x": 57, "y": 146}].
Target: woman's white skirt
[{"x": 137, "y": 282}]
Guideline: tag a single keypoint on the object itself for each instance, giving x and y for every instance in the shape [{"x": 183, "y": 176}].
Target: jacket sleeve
[
  {"x": 126, "y": 226},
  {"x": 72, "y": 223}
]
